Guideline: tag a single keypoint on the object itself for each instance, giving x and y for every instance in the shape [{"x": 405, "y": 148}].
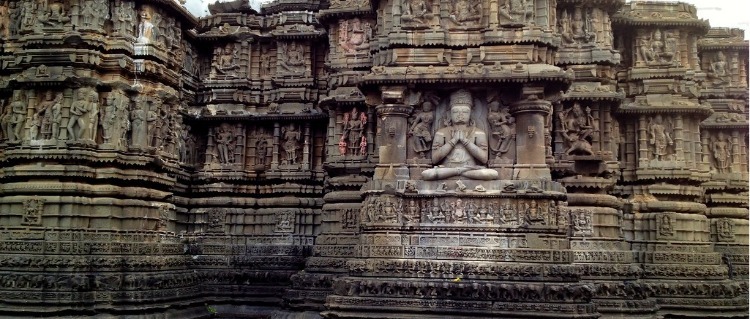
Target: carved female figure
[
  {"x": 501, "y": 123},
  {"x": 56, "y": 117},
  {"x": 79, "y": 111},
  {"x": 421, "y": 130},
  {"x": 722, "y": 155}
]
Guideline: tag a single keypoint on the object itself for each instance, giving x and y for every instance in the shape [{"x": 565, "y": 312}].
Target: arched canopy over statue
[{"x": 460, "y": 149}]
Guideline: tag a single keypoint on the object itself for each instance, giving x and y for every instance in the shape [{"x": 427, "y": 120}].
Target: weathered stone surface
[{"x": 372, "y": 159}]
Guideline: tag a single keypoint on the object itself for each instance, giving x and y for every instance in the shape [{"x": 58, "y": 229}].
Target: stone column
[
  {"x": 391, "y": 132},
  {"x": 530, "y": 147}
]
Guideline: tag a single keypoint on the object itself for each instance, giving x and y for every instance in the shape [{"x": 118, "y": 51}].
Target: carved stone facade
[{"x": 354, "y": 158}]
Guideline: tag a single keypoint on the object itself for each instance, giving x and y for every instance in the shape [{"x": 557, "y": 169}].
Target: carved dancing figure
[
  {"x": 660, "y": 137},
  {"x": 421, "y": 130},
  {"x": 722, "y": 155},
  {"x": 577, "y": 127},
  {"x": 502, "y": 124},
  {"x": 460, "y": 148}
]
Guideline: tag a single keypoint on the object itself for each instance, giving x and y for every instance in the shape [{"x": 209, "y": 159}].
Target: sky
[{"x": 720, "y": 13}]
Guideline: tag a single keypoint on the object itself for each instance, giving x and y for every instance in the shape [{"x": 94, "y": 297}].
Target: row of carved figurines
[
  {"x": 44, "y": 15},
  {"x": 464, "y": 13},
  {"x": 153, "y": 127},
  {"x": 459, "y": 211}
]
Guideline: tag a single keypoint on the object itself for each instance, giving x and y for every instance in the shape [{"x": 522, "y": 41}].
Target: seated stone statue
[{"x": 460, "y": 149}]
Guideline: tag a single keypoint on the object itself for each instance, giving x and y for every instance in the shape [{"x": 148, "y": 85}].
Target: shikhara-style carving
[
  {"x": 395, "y": 158},
  {"x": 460, "y": 148}
]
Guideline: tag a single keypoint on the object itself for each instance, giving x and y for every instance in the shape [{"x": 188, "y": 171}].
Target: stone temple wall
[{"x": 372, "y": 159}]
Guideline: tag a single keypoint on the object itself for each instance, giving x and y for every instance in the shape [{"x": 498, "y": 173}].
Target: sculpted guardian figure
[{"x": 460, "y": 149}]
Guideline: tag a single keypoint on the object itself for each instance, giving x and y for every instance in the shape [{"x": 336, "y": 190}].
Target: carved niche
[
  {"x": 658, "y": 48},
  {"x": 225, "y": 62},
  {"x": 228, "y": 142},
  {"x": 353, "y": 139},
  {"x": 262, "y": 143},
  {"x": 92, "y": 15},
  {"x": 284, "y": 221},
  {"x": 660, "y": 138},
  {"x": 725, "y": 229},
  {"x": 581, "y": 27},
  {"x": 48, "y": 16},
  {"x": 124, "y": 18},
  {"x": 114, "y": 118},
  {"x": 83, "y": 116},
  {"x": 354, "y": 37},
  {"x": 215, "y": 220},
  {"x": 577, "y": 127},
  {"x": 721, "y": 153},
  {"x": 13, "y": 118},
  {"x": 291, "y": 59},
  {"x": 291, "y": 143},
  {"x": 419, "y": 14},
  {"x": 32, "y": 211},
  {"x": 516, "y": 12},
  {"x": 665, "y": 226},
  {"x": 47, "y": 116},
  {"x": 581, "y": 222}
]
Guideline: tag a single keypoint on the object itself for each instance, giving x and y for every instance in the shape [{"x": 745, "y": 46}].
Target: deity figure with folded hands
[{"x": 460, "y": 149}]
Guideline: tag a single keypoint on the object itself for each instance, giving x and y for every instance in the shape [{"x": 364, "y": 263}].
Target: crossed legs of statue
[{"x": 468, "y": 172}]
